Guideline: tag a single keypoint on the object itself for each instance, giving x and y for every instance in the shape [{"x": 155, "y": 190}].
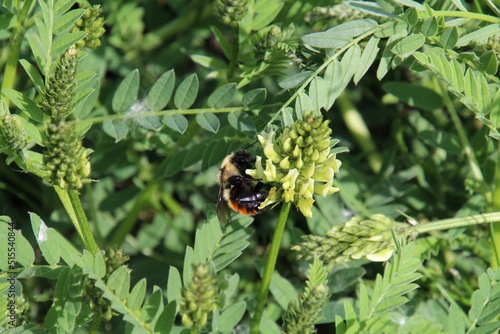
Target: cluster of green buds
[
  {"x": 12, "y": 132},
  {"x": 493, "y": 44},
  {"x": 300, "y": 163},
  {"x": 341, "y": 12},
  {"x": 92, "y": 23},
  {"x": 60, "y": 87},
  {"x": 198, "y": 299},
  {"x": 359, "y": 238},
  {"x": 301, "y": 317},
  {"x": 65, "y": 159},
  {"x": 231, "y": 11},
  {"x": 268, "y": 42},
  {"x": 113, "y": 259}
]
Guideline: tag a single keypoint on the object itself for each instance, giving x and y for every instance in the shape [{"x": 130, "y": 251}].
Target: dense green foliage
[{"x": 114, "y": 120}]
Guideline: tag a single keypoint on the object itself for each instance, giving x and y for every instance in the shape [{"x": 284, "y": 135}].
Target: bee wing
[{"x": 223, "y": 212}]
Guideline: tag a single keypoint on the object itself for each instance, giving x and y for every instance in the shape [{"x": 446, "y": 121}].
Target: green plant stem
[
  {"x": 19, "y": 29},
  {"x": 357, "y": 126},
  {"x": 467, "y": 147},
  {"x": 96, "y": 323},
  {"x": 445, "y": 224},
  {"x": 270, "y": 265},
  {"x": 469, "y": 15},
  {"x": 73, "y": 206}
]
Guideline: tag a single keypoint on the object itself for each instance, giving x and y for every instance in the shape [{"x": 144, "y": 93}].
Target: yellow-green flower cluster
[
  {"x": 359, "y": 238},
  {"x": 299, "y": 163},
  {"x": 198, "y": 299},
  {"x": 92, "y": 23},
  {"x": 12, "y": 132},
  {"x": 66, "y": 160},
  {"x": 231, "y": 11},
  {"x": 60, "y": 87}
]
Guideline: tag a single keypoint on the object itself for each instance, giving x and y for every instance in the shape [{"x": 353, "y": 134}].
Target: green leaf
[
  {"x": 119, "y": 282},
  {"x": 222, "y": 96},
  {"x": 25, "y": 104},
  {"x": 176, "y": 122},
  {"x": 241, "y": 122},
  {"x": 231, "y": 316},
  {"x": 161, "y": 92},
  {"x": 148, "y": 121},
  {"x": 318, "y": 93},
  {"x": 13, "y": 245},
  {"x": 223, "y": 42},
  {"x": 371, "y": 8},
  {"x": 387, "y": 55},
  {"x": 68, "y": 252},
  {"x": 367, "y": 58},
  {"x": 208, "y": 121},
  {"x": 391, "y": 28},
  {"x": 166, "y": 319},
  {"x": 126, "y": 94},
  {"x": 99, "y": 265},
  {"x": 449, "y": 38},
  {"x": 295, "y": 80},
  {"x": 49, "y": 249},
  {"x": 136, "y": 297},
  {"x": 62, "y": 6},
  {"x": 282, "y": 290},
  {"x": 37, "y": 50},
  {"x": 430, "y": 26},
  {"x": 265, "y": 12},
  {"x": 174, "y": 285},
  {"x": 489, "y": 62},
  {"x": 479, "y": 36},
  {"x": 64, "y": 42},
  {"x": 116, "y": 128},
  {"x": 456, "y": 322},
  {"x": 206, "y": 240},
  {"x": 34, "y": 75},
  {"x": 210, "y": 62},
  {"x": 152, "y": 307},
  {"x": 408, "y": 45},
  {"x": 67, "y": 20},
  {"x": 340, "y": 35},
  {"x": 255, "y": 98},
  {"x": 186, "y": 92}
]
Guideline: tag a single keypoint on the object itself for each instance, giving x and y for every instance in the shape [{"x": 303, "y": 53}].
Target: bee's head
[{"x": 242, "y": 160}]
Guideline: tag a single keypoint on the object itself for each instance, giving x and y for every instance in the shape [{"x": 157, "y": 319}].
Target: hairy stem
[
  {"x": 269, "y": 269},
  {"x": 445, "y": 224},
  {"x": 73, "y": 206}
]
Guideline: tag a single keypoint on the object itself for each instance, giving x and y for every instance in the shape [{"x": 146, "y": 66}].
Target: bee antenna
[{"x": 250, "y": 145}]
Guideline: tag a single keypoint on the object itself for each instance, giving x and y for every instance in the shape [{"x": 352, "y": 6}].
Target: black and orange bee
[{"x": 236, "y": 190}]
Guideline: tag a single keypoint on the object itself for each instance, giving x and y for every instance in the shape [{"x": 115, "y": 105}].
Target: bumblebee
[{"x": 235, "y": 187}]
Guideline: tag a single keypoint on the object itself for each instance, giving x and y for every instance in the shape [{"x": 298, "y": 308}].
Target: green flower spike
[
  {"x": 65, "y": 158},
  {"x": 12, "y": 132},
  {"x": 198, "y": 299},
  {"x": 60, "y": 86},
  {"x": 359, "y": 238},
  {"x": 231, "y": 11},
  {"x": 93, "y": 24},
  {"x": 301, "y": 317},
  {"x": 300, "y": 163}
]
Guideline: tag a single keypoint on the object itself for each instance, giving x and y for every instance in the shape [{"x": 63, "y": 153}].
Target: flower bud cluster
[
  {"x": 113, "y": 259},
  {"x": 300, "y": 318},
  {"x": 359, "y": 238},
  {"x": 60, "y": 87},
  {"x": 231, "y": 11},
  {"x": 12, "y": 132},
  {"x": 66, "y": 160},
  {"x": 198, "y": 299},
  {"x": 341, "y": 12},
  {"x": 92, "y": 23},
  {"x": 299, "y": 163}
]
